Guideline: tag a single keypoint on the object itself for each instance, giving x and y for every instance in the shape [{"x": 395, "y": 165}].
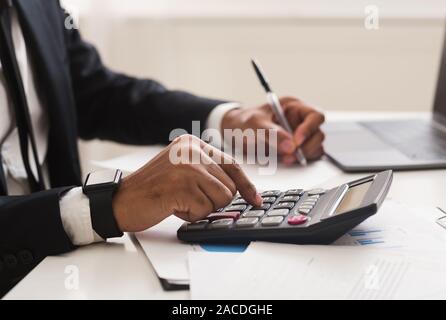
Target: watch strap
[{"x": 102, "y": 217}]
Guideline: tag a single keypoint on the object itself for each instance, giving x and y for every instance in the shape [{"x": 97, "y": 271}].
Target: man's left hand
[{"x": 305, "y": 121}]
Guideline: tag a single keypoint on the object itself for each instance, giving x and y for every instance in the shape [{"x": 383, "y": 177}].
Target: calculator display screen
[{"x": 353, "y": 198}]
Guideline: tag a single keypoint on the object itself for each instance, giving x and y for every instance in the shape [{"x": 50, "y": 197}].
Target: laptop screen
[{"x": 440, "y": 96}]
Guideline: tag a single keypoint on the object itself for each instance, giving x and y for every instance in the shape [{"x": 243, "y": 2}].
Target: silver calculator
[{"x": 318, "y": 216}]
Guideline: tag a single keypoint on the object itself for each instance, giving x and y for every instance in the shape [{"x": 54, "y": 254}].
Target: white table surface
[{"x": 118, "y": 269}]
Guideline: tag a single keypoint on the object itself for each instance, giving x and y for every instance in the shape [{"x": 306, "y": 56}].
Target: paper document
[
  {"x": 168, "y": 255},
  {"x": 282, "y": 271},
  {"x": 395, "y": 248},
  {"x": 397, "y": 226},
  {"x": 204, "y": 267}
]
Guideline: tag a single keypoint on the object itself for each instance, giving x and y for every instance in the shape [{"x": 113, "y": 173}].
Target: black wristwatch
[{"x": 99, "y": 187}]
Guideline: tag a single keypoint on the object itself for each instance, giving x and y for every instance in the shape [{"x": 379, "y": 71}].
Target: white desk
[{"x": 119, "y": 269}]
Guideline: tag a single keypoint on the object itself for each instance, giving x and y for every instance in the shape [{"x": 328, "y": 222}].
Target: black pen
[{"x": 277, "y": 108}]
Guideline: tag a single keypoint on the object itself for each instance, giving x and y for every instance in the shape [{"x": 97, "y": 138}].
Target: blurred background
[{"x": 322, "y": 51}]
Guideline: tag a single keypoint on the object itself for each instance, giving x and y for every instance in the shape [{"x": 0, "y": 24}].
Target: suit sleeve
[
  {"x": 22, "y": 243},
  {"x": 117, "y": 107}
]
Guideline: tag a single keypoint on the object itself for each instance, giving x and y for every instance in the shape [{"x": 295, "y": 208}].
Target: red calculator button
[
  {"x": 297, "y": 220},
  {"x": 234, "y": 215}
]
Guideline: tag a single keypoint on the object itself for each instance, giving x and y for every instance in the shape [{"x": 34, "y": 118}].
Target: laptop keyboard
[{"x": 417, "y": 139}]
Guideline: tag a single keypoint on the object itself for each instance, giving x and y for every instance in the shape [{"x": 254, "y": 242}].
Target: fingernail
[
  {"x": 259, "y": 199},
  {"x": 300, "y": 139},
  {"x": 288, "y": 160},
  {"x": 287, "y": 146}
]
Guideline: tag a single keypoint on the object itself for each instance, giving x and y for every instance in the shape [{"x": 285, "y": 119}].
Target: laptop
[{"x": 397, "y": 144}]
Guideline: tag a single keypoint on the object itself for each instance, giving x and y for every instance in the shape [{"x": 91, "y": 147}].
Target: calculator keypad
[{"x": 292, "y": 207}]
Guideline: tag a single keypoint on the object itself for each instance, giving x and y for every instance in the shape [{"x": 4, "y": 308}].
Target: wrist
[
  {"x": 119, "y": 205},
  {"x": 100, "y": 187}
]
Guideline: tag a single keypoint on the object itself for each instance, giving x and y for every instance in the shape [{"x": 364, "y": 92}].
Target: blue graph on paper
[
  {"x": 377, "y": 237},
  {"x": 373, "y": 236},
  {"x": 367, "y": 237},
  {"x": 223, "y": 248}
]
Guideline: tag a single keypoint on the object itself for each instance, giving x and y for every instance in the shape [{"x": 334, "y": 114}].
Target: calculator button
[
  {"x": 315, "y": 197},
  {"x": 272, "y": 221},
  {"x": 197, "y": 225},
  {"x": 239, "y": 207},
  {"x": 306, "y": 206},
  {"x": 285, "y": 205},
  {"x": 269, "y": 199},
  {"x": 289, "y": 198},
  {"x": 247, "y": 222},
  {"x": 223, "y": 215},
  {"x": 264, "y": 206},
  {"x": 309, "y": 202},
  {"x": 254, "y": 213},
  {"x": 304, "y": 211},
  {"x": 296, "y": 192},
  {"x": 271, "y": 193},
  {"x": 239, "y": 201},
  {"x": 297, "y": 220},
  {"x": 279, "y": 212},
  {"x": 317, "y": 191},
  {"x": 223, "y": 223}
]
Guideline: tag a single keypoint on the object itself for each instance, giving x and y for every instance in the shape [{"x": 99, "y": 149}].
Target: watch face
[{"x": 102, "y": 177}]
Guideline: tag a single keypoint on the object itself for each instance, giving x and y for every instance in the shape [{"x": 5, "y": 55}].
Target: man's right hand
[{"x": 189, "y": 190}]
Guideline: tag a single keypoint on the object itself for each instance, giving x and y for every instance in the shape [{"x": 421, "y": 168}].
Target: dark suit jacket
[{"x": 82, "y": 99}]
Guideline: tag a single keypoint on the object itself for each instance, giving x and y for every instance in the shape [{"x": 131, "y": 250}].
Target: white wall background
[{"x": 317, "y": 50}]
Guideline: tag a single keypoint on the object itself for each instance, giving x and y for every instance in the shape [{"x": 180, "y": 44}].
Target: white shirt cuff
[
  {"x": 76, "y": 218},
  {"x": 216, "y": 117}
]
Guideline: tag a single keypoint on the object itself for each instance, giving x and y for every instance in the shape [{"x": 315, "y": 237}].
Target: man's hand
[
  {"x": 189, "y": 190},
  {"x": 304, "y": 120}
]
